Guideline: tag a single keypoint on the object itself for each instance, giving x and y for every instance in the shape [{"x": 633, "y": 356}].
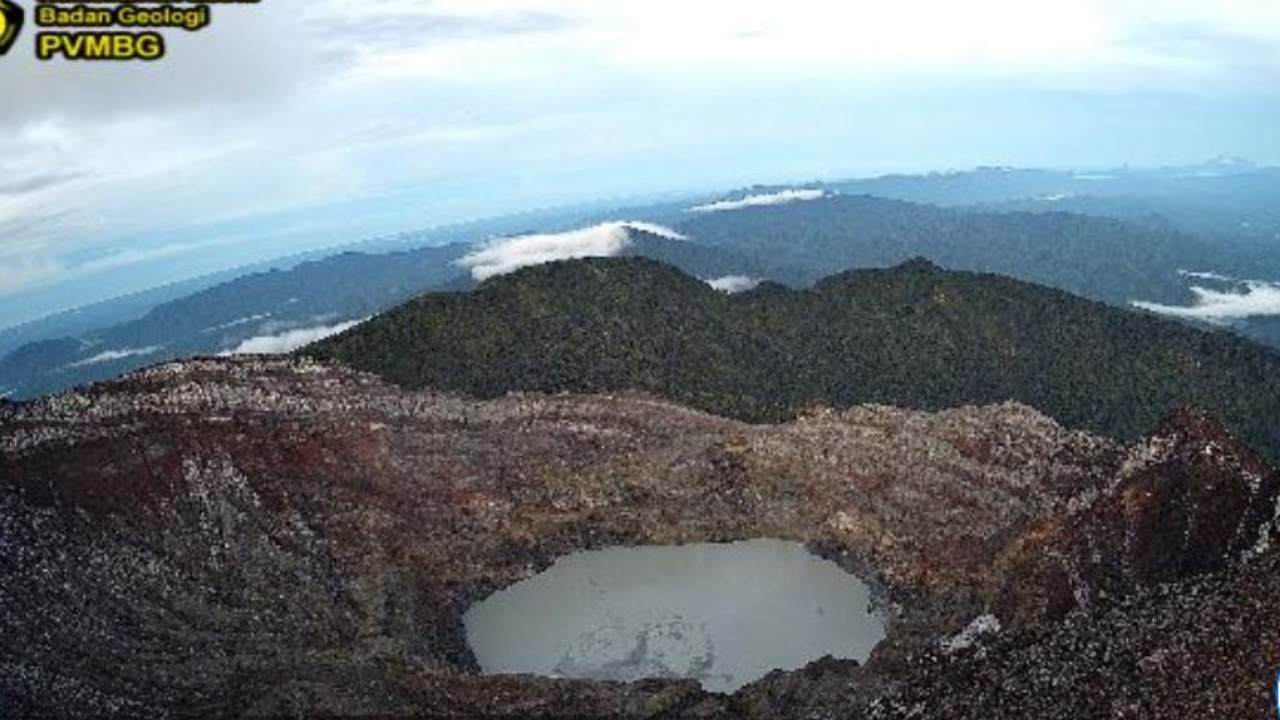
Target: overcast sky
[{"x": 297, "y": 124}]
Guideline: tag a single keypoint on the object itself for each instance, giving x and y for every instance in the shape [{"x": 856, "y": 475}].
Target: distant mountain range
[
  {"x": 1100, "y": 258},
  {"x": 220, "y": 318},
  {"x": 911, "y": 336},
  {"x": 1151, "y": 236},
  {"x": 1224, "y": 196},
  {"x": 277, "y": 308}
]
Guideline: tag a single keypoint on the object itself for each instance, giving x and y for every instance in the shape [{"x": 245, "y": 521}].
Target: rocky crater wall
[{"x": 241, "y": 537}]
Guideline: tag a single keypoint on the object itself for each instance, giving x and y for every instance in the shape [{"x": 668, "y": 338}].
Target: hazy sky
[{"x": 297, "y": 124}]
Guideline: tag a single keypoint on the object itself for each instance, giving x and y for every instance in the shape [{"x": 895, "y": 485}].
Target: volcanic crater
[{"x": 258, "y": 537}]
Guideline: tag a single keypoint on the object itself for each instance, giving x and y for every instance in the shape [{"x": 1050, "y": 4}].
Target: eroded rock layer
[{"x": 250, "y": 537}]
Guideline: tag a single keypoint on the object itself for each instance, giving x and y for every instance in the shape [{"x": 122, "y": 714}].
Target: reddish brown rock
[
  {"x": 1185, "y": 501},
  {"x": 265, "y": 537}
]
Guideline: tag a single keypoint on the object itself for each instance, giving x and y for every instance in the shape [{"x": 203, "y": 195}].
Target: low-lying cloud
[
  {"x": 1245, "y": 299},
  {"x": 239, "y": 322},
  {"x": 762, "y": 200},
  {"x": 291, "y": 340},
  {"x": 661, "y": 231},
  {"x": 1208, "y": 276},
  {"x": 734, "y": 283},
  {"x": 605, "y": 240},
  {"x": 113, "y": 355}
]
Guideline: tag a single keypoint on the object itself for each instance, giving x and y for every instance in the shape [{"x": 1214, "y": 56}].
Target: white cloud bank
[
  {"x": 287, "y": 342},
  {"x": 604, "y": 240},
  {"x": 734, "y": 283},
  {"x": 762, "y": 200},
  {"x": 1248, "y": 299},
  {"x": 113, "y": 355}
]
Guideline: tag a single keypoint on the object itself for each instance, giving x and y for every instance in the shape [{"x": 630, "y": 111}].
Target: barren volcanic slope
[
  {"x": 252, "y": 537},
  {"x": 911, "y": 336}
]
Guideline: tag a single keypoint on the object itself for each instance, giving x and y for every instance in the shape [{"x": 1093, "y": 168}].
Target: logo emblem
[{"x": 11, "y": 18}]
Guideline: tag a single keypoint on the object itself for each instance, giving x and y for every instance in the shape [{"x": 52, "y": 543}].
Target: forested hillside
[{"x": 913, "y": 336}]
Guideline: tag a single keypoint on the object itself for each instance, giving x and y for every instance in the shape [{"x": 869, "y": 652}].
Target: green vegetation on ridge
[{"x": 911, "y": 336}]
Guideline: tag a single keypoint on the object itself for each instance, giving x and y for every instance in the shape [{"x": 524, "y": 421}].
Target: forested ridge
[{"x": 913, "y": 336}]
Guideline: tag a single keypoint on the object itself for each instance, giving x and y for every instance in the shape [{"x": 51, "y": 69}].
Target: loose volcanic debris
[{"x": 265, "y": 537}]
